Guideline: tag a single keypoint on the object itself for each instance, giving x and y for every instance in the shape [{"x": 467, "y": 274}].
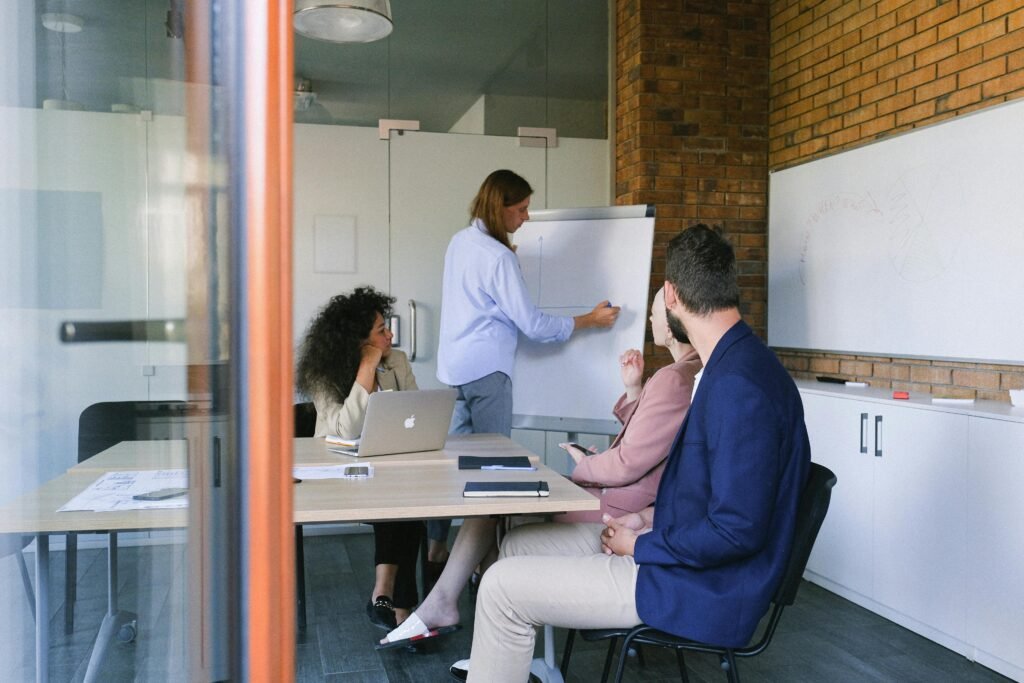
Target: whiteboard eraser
[
  {"x": 859, "y": 385},
  {"x": 901, "y": 394},
  {"x": 943, "y": 399}
]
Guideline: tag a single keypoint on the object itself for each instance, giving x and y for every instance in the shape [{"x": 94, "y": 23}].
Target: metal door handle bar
[
  {"x": 77, "y": 331},
  {"x": 878, "y": 436},
  {"x": 863, "y": 432},
  {"x": 412, "y": 330}
]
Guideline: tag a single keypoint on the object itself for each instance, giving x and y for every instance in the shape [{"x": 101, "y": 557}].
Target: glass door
[{"x": 141, "y": 279}]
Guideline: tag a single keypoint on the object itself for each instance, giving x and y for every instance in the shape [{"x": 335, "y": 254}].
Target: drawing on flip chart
[{"x": 568, "y": 267}]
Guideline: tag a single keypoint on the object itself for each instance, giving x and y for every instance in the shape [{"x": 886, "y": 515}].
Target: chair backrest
[
  {"x": 103, "y": 425},
  {"x": 305, "y": 419},
  {"x": 811, "y": 511}
]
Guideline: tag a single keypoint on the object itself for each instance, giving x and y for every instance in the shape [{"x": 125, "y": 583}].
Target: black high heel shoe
[{"x": 381, "y": 613}]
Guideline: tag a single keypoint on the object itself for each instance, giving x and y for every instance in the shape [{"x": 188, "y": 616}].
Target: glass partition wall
[
  {"x": 133, "y": 221},
  {"x": 458, "y": 79},
  {"x": 145, "y": 211},
  {"x": 465, "y": 66}
]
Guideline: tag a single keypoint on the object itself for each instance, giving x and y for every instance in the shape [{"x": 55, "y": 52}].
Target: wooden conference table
[{"x": 406, "y": 486}]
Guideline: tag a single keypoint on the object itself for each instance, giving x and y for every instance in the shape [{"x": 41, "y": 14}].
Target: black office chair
[
  {"x": 101, "y": 426},
  {"x": 305, "y": 425},
  {"x": 814, "y": 501}
]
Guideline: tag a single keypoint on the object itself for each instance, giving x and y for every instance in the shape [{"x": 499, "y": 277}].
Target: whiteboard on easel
[
  {"x": 571, "y": 259},
  {"x": 911, "y": 246}
]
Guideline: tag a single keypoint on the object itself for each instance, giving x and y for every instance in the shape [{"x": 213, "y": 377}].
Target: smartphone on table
[{"x": 161, "y": 494}]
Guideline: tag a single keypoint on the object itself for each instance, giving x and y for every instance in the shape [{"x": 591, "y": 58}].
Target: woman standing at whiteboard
[{"x": 484, "y": 305}]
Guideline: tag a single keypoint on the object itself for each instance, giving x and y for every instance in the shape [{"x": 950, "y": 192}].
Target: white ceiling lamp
[
  {"x": 62, "y": 24},
  {"x": 360, "y": 21}
]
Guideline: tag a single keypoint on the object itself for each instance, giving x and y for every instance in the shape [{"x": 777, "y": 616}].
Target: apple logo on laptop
[{"x": 410, "y": 421}]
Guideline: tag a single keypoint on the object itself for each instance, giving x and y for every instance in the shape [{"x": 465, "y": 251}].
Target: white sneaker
[{"x": 459, "y": 670}]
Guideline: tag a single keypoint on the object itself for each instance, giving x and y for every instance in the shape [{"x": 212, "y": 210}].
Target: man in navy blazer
[
  {"x": 726, "y": 508},
  {"x": 704, "y": 561}
]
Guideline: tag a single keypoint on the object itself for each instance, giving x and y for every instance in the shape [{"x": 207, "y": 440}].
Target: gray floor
[{"x": 822, "y": 638}]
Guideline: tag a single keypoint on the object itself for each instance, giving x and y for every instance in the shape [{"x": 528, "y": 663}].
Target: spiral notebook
[{"x": 488, "y": 489}]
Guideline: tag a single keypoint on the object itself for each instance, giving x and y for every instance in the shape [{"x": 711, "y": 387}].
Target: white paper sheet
[
  {"x": 329, "y": 472},
  {"x": 113, "y": 491}
]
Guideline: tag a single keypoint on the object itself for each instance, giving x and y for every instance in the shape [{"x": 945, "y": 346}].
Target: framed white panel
[{"x": 335, "y": 244}]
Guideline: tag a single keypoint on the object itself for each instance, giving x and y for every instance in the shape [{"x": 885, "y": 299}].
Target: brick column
[{"x": 692, "y": 128}]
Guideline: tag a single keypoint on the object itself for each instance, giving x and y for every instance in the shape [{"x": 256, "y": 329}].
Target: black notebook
[
  {"x": 507, "y": 462},
  {"x": 482, "y": 489}
]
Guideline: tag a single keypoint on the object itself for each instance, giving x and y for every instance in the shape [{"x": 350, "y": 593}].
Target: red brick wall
[
  {"x": 843, "y": 73},
  {"x": 692, "y": 128}
]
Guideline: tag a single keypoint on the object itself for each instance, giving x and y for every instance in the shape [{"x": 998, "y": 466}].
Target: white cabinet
[
  {"x": 926, "y": 524},
  {"x": 897, "y": 521},
  {"x": 920, "y": 515},
  {"x": 843, "y": 550},
  {"x": 995, "y": 544}
]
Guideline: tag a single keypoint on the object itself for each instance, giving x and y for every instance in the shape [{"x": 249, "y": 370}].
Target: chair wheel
[
  {"x": 724, "y": 663},
  {"x": 127, "y": 632}
]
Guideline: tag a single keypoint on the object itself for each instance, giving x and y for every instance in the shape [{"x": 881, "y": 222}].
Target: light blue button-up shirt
[{"x": 484, "y": 304}]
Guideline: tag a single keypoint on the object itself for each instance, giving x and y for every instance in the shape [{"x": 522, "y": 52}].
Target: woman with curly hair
[{"x": 345, "y": 356}]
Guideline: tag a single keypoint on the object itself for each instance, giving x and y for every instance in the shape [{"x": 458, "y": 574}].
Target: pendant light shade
[{"x": 357, "y": 21}]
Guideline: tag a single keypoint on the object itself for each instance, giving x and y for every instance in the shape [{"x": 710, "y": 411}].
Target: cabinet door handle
[
  {"x": 863, "y": 432},
  {"x": 412, "y": 330},
  {"x": 878, "y": 436}
]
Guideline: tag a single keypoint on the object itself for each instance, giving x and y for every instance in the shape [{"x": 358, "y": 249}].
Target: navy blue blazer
[{"x": 726, "y": 506}]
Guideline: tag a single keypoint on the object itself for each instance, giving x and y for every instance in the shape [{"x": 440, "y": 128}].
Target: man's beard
[{"x": 676, "y": 327}]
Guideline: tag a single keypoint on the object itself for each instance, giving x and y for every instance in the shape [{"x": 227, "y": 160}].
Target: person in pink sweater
[{"x": 625, "y": 477}]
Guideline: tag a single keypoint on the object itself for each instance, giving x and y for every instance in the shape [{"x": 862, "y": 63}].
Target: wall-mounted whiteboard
[
  {"x": 912, "y": 246},
  {"x": 572, "y": 259}
]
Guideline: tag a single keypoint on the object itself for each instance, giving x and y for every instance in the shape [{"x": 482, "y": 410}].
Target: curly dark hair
[{"x": 329, "y": 356}]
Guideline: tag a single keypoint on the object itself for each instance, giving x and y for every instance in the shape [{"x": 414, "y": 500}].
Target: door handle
[
  {"x": 878, "y": 436},
  {"x": 863, "y": 432},
  {"x": 412, "y": 330},
  {"x": 169, "y": 330}
]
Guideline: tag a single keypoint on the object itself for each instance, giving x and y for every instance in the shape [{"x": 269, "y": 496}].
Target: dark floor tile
[
  {"x": 821, "y": 638},
  {"x": 358, "y": 677},
  {"x": 308, "y": 664},
  {"x": 346, "y": 645}
]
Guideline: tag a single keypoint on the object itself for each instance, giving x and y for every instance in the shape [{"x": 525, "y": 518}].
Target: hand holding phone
[
  {"x": 577, "y": 452},
  {"x": 161, "y": 494}
]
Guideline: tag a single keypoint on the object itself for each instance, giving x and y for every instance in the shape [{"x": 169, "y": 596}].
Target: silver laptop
[{"x": 404, "y": 422}]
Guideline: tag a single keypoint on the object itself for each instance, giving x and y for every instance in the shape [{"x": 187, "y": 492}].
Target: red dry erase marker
[{"x": 901, "y": 394}]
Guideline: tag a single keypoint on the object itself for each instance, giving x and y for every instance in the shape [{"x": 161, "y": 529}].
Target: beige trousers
[{"x": 546, "y": 574}]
